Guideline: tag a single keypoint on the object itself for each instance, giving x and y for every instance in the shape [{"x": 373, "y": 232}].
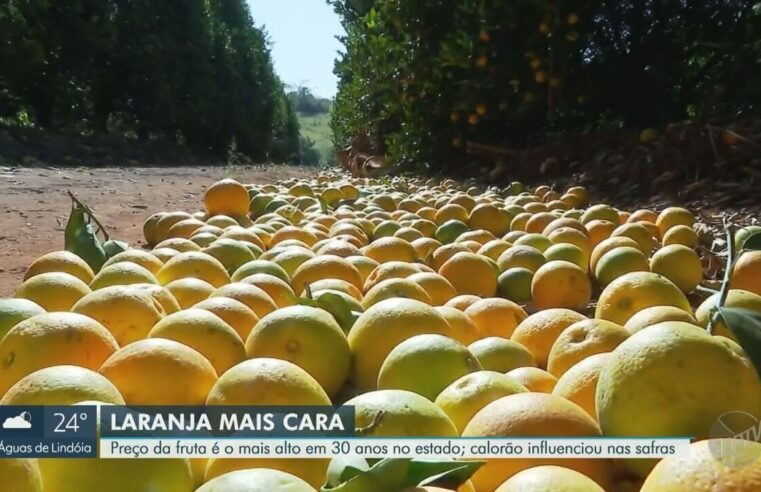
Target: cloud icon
[{"x": 23, "y": 421}]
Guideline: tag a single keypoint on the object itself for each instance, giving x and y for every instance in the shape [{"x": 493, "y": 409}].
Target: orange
[
  {"x": 608, "y": 245},
  {"x": 521, "y": 256},
  {"x": 196, "y": 265},
  {"x": 178, "y": 244},
  {"x": 736, "y": 298},
  {"x": 539, "y": 331},
  {"x": 53, "y": 291},
  {"x": 495, "y": 317},
  {"x": 61, "y": 261},
  {"x": 728, "y": 464},
  {"x": 674, "y": 379},
  {"x": 682, "y": 266},
  {"x": 382, "y": 327},
  {"x": 280, "y": 292},
  {"x": 438, "y": 288},
  {"x": 61, "y": 385},
  {"x": 443, "y": 253},
  {"x": 236, "y": 314},
  {"x": 493, "y": 248},
  {"x": 600, "y": 212},
  {"x": 184, "y": 228},
  {"x": 157, "y": 371},
  {"x": 633, "y": 292},
  {"x": 641, "y": 235},
  {"x": 535, "y": 240},
  {"x": 599, "y": 230},
  {"x": 533, "y": 378},
  {"x": 311, "y": 471},
  {"x": 528, "y": 415},
  {"x": 143, "y": 258},
  {"x": 579, "y": 383},
  {"x": 256, "y": 479},
  {"x": 560, "y": 284},
  {"x": 681, "y": 234},
  {"x": 21, "y": 475},
  {"x": 674, "y": 216},
  {"x": 467, "y": 395},
  {"x": 325, "y": 267},
  {"x": 207, "y": 333},
  {"x": 489, "y": 217},
  {"x": 746, "y": 273},
  {"x": 537, "y": 222},
  {"x": 399, "y": 413},
  {"x": 582, "y": 339},
  {"x": 128, "y": 313},
  {"x": 657, "y": 314},
  {"x": 426, "y": 364},
  {"x": 122, "y": 273},
  {"x": 253, "y": 297},
  {"x": 461, "y": 327},
  {"x": 395, "y": 287},
  {"x": 470, "y": 273},
  {"x": 189, "y": 291},
  {"x": 501, "y": 354},
  {"x": 549, "y": 478},
  {"x": 226, "y": 197},
  {"x": 451, "y": 211},
  {"x": 619, "y": 261},
  {"x": 388, "y": 249},
  {"x": 265, "y": 381},
  {"x": 310, "y": 338},
  {"x": 232, "y": 253},
  {"x": 53, "y": 339},
  {"x": 14, "y": 311}
]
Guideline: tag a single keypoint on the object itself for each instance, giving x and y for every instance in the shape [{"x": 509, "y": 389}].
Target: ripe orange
[
  {"x": 539, "y": 331},
  {"x": 470, "y": 273},
  {"x": 633, "y": 292},
  {"x": 495, "y": 317},
  {"x": 534, "y": 414},
  {"x": 560, "y": 284},
  {"x": 61, "y": 261},
  {"x": 581, "y": 340},
  {"x": 579, "y": 383},
  {"x": 226, "y": 197},
  {"x": 746, "y": 273},
  {"x": 381, "y": 328},
  {"x": 166, "y": 363}
]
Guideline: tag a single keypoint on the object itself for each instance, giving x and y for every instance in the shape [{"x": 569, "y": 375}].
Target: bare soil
[{"x": 34, "y": 206}]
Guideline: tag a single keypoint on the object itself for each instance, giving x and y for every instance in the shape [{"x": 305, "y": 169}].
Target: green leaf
[
  {"x": 323, "y": 205},
  {"x": 384, "y": 476},
  {"x": 344, "y": 469},
  {"x": 450, "y": 474},
  {"x": 746, "y": 326},
  {"x": 80, "y": 239},
  {"x": 753, "y": 242},
  {"x": 339, "y": 308}
]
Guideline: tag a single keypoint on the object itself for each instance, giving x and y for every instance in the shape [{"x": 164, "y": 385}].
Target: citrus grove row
[{"x": 436, "y": 309}]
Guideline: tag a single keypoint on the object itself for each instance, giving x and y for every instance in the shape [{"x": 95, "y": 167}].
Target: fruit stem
[
  {"x": 727, "y": 274},
  {"x": 90, "y": 213}
]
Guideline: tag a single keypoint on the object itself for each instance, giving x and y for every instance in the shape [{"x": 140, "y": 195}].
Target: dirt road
[{"x": 34, "y": 206}]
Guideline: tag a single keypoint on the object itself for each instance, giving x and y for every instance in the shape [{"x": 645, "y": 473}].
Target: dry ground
[{"x": 34, "y": 206}]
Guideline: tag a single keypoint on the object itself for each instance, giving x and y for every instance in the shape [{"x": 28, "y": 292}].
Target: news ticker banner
[{"x": 82, "y": 431}]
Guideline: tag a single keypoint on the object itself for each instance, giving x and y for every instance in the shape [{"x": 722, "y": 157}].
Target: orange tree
[{"x": 423, "y": 78}]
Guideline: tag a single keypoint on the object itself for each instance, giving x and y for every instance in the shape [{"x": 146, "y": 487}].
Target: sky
[{"x": 303, "y": 40}]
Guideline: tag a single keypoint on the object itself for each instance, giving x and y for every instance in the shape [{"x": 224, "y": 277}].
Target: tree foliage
[
  {"x": 196, "y": 72},
  {"x": 423, "y": 78}
]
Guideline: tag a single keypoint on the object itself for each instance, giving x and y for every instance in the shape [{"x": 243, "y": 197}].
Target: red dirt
[{"x": 34, "y": 206}]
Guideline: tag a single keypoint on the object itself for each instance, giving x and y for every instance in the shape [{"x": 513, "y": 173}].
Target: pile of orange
[{"x": 471, "y": 312}]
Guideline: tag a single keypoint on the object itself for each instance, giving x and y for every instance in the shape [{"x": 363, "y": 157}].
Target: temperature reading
[{"x": 69, "y": 424}]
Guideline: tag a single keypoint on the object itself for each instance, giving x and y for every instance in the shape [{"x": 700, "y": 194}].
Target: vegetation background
[{"x": 422, "y": 79}]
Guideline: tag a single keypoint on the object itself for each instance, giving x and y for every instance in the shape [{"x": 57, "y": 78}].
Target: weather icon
[{"x": 21, "y": 421}]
